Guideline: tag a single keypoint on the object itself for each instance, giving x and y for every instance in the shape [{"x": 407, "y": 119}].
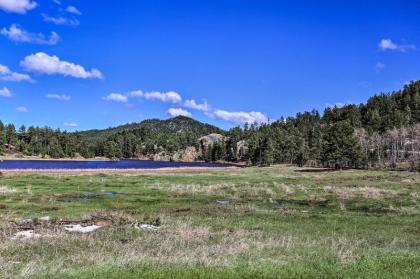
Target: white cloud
[
  {"x": 71, "y": 124},
  {"x": 73, "y": 10},
  {"x": 388, "y": 44},
  {"x": 17, "y": 6},
  {"x": 17, "y": 34},
  {"x": 60, "y": 97},
  {"x": 168, "y": 97},
  {"x": 7, "y": 75},
  {"x": 241, "y": 117},
  {"x": 43, "y": 63},
  {"x": 21, "y": 109},
  {"x": 116, "y": 97},
  {"x": 204, "y": 107},
  {"x": 5, "y": 92},
  {"x": 57, "y": 2},
  {"x": 379, "y": 67},
  {"x": 337, "y": 105},
  {"x": 173, "y": 112},
  {"x": 60, "y": 20}
]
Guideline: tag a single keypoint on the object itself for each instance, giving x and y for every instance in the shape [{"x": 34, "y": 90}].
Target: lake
[{"x": 122, "y": 164}]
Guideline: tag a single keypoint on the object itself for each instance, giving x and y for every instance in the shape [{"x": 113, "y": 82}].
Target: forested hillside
[
  {"x": 127, "y": 141},
  {"x": 384, "y": 132}
]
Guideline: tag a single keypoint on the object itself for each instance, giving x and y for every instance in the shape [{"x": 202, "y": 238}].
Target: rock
[
  {"x": 189, "y": 154},
  {"x": 44, "y": 219},
  {"x": 223, "y": 202},
  {"x": 211, "y": 139},
  {"x": 26, "y": 222},
  {"x": 146, "y": 227},
  {"x": 241, "y": 149},
  {"x": 25, "y": 235},
  {"x": 78, "y": 228}
]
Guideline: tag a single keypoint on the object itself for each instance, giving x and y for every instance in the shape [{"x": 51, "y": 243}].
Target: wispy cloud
[
  {"x": 60, "y": 20},
  {"x": 337, "y": 105},
  {"x": 17, "y": 34},
  {"x": 43, "y": 63},
  {"x": 71, "y": 124},
  {"x": 241, "y": 117},
  {"x": 237, "y": 117},
  {"x": 379, "y": 67},
  {"x": 204, "y": 107},
  {"x": 173, "y": 112},
  {"x": 73, "y": 10},
  {"x": 7, "y": 75},
  {"x": 388, "y": 44},
  {"x": 167, "y": 97},
  {"x": 22, "y": 109},
  {"x": 17, "y": 6},
  {"x": 60, "y": 97},
  {"x": 116, "y": 97},
  {"x": 4, "y": 92}
]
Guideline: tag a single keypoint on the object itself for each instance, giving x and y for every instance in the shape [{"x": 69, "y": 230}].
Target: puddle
[
  {"x": 279, "y": 203},
  {"x": 88, "y": 195}
]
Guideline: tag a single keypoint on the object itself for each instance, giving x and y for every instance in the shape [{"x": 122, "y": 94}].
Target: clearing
[{"x": 277, "y": 222}]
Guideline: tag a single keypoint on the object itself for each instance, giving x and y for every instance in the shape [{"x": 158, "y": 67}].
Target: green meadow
[{"x": 276, "y": 222}]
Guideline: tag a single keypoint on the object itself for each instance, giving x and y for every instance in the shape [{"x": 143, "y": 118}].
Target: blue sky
[{"x": 94, "y": 64}]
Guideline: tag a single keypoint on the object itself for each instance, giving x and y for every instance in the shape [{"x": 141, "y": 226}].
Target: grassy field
[{"x": 278, "y": 222}]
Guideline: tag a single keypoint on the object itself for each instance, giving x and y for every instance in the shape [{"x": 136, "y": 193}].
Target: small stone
[
  {"x": 44, "y": 218},
  {"x": 25, "y": 222},
  {"x": 146, "y": 227},
  {"x": 223, "y": 202},
  {"x": 78, "y": 228},
  {"x": 25, "y": 235}
]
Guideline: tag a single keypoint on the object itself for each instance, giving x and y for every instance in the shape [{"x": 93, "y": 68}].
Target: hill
[{"x": 176, "y": 125}]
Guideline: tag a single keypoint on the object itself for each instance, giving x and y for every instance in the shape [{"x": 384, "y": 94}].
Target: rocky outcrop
[
  {"x": 189, "y": 154},
  {"x": 211, "y": 139},
  {"x": 241, "y": 149}
]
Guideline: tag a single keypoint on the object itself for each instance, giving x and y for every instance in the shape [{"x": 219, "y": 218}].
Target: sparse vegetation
[{"x": 275, "y": 222}]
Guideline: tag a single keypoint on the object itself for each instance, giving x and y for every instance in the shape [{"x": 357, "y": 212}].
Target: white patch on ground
[
  {"x": 78, "y": 228},
  {"x": 44, "y": 219},
  {"x": 146, "y": 227},
  {"x": 25, "y": 235},
  {"x": 25, "y": 222},
  {"x": 7, "y": 189}
]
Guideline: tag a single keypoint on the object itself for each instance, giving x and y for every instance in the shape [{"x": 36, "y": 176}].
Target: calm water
[{"x": 123, "y": 164}]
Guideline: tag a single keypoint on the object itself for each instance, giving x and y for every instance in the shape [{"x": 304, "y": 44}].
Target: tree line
[{"x": 383, "y": 132}]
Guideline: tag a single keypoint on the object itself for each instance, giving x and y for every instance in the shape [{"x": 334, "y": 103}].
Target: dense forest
[{"x": 382, "y": 133}]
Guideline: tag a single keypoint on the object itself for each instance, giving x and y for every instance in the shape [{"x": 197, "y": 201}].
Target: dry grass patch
[
  {"x": 7, "y": 189},
  {"x": 365, "y": 192}
]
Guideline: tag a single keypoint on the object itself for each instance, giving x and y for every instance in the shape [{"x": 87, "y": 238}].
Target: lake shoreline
[
  {"x": 122, "y": 166},
  {"x": 77, "y": 172}
]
